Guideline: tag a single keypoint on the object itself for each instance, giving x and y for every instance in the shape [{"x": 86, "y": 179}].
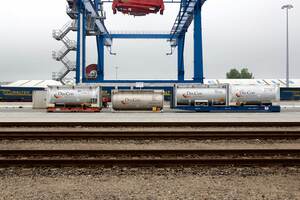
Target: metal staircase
[
  {"x": 61, "y": 33},
  {"x": 95, "y": 16},
  {"x": 69, "y": 45},
  {"x": 69, "y": 66},
  {"x": 61, "y": 76}
]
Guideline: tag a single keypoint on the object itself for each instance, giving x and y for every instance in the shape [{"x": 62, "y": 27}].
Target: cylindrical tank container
[
  {"x": 73, "y": 95},
  {"x": 137, "y": 99},
  {"x": 253, "y": 94},
  {"x": 188, "y": 96}
]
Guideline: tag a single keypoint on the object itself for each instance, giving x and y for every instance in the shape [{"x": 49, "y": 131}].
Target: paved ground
[
  {"x": 27, "y": 114},
  {"x": 22, "y": 112}
]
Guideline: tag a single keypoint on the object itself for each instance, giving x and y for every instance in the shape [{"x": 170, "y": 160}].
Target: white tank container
[
  {"x": 253, "y": 94},
  {"x": 188, "y": 96},
  {"x": 73, "y": 95},
  {"x": 137, "y": 99}
]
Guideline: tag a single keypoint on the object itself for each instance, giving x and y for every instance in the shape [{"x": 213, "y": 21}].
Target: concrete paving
[
  {"x": 29, "y": 115},
  {"x": 23, "y": 112}
]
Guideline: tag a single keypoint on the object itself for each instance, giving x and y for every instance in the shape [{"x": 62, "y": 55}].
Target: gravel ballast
[
  {"x": 150, "y": 183},
  {"x": 148, "y": 144}
]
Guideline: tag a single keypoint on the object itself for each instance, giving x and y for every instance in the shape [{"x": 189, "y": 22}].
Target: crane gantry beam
[
  {"x": 89, "y": 6},
  {"x": 182, "y": 22},
  {"x": 185, "y": 17}
]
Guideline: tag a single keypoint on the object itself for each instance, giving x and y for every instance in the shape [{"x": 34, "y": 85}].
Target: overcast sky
[{"x": 236, "y": 33}]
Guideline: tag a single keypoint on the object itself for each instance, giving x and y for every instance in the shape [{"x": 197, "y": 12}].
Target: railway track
[
  {"x": 163, "y": 130},
  {"x": 219, "y": 130},
  {"x": 149, "y": 124},
  {"x": 287, "y": 157},
  {"x": 217, "y": 134}
]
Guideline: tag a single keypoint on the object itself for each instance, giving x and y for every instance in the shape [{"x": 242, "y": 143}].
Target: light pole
[
  {"x": 117, "y": 72},
  {"x": 287, "y": 8}
]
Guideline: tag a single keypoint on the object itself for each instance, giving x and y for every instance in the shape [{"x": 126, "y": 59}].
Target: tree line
[{"x": 242, "y": 74}]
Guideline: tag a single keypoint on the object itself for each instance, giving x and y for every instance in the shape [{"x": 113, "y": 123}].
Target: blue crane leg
[
  {"x": 198, "y": 48},
  {"x": 180, "y": 58},
  {"x": 83, "y": 64},
  {"x": 78, "y": 52},
  {"x": 100, "y": 49}
]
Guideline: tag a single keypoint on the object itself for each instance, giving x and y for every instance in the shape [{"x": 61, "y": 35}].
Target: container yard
[{"x": 86, "y": 135}]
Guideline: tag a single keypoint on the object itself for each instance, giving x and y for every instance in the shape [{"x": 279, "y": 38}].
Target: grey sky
[{"x": 237, "y": 33}]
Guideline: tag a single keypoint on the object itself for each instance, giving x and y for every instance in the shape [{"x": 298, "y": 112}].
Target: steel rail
[
  {"x": 235, "y": 157},
  {"x": 149, "y": 124},
  {"x": 128, "y": 134},
  {"x": 154, "y": 152},
  {"x": 151, "y": 162}
]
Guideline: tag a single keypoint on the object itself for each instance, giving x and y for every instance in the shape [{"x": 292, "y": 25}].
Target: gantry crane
[{"x": 88, "y": 20}]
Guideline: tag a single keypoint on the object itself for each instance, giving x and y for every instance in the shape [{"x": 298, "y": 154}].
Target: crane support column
[
  {"x": 81, "y": 44},
  {"x": 198, "y": 52},
  {"x": 100, "y": 49},
  {"x": 180, "y": 64},
  {"x": 78, "y": 52}
]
